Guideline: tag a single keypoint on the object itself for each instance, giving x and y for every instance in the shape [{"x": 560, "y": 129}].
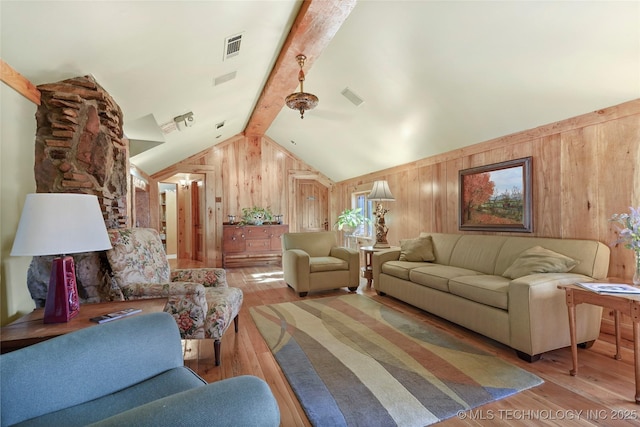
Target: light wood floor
[{"x": 601, "y": 395}]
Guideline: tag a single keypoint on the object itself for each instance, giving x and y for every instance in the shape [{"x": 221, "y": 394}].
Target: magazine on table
[
  {"x": 116, "y": 315},
  {"x": 610, "y": 288}
]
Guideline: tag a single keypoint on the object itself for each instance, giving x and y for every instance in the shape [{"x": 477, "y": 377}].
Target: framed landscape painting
[{"x": 496, "y": 197}]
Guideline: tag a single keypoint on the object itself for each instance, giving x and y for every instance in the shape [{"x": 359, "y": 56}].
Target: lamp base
[
  {"x": 62, "y": 297},
  {"x": 381, "y": 245}
]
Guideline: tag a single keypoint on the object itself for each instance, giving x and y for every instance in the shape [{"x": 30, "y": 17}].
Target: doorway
[{"x": 182, "y": 212}]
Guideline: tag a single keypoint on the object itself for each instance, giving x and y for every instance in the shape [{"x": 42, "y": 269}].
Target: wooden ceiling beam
[
  {"x": 19, "y": 83},
  {"x": 316, "y": 24}
]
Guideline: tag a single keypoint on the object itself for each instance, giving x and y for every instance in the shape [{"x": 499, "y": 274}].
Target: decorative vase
[{"x": 636, "y": 271}]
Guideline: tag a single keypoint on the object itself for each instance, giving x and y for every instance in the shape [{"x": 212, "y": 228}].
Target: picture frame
[{"x": 496, "y": 197}]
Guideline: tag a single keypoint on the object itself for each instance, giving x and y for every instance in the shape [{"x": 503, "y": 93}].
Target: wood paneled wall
[
  {"x": 585, "y": 169},
  {"x": 243, "y": 172}
]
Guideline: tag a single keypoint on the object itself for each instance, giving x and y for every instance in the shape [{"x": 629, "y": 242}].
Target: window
[{"x": 367, "y": 206}]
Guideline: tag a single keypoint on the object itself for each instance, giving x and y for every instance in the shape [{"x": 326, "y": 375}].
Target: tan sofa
[
  {"x": 464, "y": 284},
  {"x": 313, "y": 261}
]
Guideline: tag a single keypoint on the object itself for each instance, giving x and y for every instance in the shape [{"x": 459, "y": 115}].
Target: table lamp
[
  {"x": 60, "y": 224},
  {"x": 380, "y": 192}
]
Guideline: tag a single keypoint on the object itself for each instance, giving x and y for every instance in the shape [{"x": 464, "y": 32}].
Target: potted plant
[
  {"x": 256, "y": 215},
  {"x": 350, "y": 219}
]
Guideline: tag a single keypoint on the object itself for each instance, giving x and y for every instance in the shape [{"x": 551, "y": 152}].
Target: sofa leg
[
  {"x": 216, "y": 351},
  {"x": 235, "y": 323},
  {"x": 528, "y": 357},
  {"x": 303, "y": 294},
  {"x": 353, "y": 288},
  {"x": 380, "y": 293}
]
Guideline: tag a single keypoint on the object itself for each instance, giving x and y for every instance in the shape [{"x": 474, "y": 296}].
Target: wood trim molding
[
  {"x": 316, "y": 24},
  {"x": 19, "y": 83}
]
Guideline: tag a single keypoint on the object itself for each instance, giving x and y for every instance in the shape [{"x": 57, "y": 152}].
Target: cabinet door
[
  {"x": 276, "y": 236},
  {"x": 233, "y": 239}
]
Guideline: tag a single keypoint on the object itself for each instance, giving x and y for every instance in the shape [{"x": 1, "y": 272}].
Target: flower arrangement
[
  {"x": 629, "y": 234},
  {"x": 256, "y": 215}
]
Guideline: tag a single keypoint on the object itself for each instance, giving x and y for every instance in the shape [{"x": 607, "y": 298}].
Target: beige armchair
[
  {"x": 200, "y": 300},
  {"x": 314, "y": 262}
]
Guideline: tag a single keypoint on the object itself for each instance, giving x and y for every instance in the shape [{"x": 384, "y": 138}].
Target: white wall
[{"x": 17, "y": 146}]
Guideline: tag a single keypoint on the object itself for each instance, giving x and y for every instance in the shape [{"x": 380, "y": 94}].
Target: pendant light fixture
[{"x": 301, "y": 101}]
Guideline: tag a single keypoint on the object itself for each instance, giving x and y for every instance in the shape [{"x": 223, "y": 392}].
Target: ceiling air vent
[
  {"x": 355, "y": 99},
  {"x": 224, "y": 78},
  {"x": 232, "y": 46}
]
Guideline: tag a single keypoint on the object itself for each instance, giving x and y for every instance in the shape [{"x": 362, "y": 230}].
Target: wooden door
[
  {"x": 312, "y": 205},
  {"x": 197, "y": 231}
]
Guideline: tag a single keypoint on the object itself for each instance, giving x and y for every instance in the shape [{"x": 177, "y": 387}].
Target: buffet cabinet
[{"x": 246, "y": 245}]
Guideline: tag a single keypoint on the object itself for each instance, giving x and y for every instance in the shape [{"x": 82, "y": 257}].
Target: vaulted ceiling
[{"x": 432, "y": 75}]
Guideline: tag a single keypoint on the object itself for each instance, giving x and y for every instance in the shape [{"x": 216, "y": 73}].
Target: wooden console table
[
  {"x": 30, "y": 328},
  {"x": 245, "y": 245},
  {"x": 628, "y": 304}
]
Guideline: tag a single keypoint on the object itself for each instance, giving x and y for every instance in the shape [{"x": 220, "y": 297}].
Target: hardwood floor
[{"x": 602, "y": 394}]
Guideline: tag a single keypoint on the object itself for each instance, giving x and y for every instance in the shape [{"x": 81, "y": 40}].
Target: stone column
[{"x": 80, "y": 148}]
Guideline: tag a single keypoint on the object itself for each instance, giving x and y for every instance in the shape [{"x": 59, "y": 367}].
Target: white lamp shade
[
  {"x": 380, "y": 191},
  {"x": 60, "y": 223}
]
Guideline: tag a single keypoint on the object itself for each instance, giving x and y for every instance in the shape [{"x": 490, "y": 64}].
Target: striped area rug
[{"x": 354, "y": 362}]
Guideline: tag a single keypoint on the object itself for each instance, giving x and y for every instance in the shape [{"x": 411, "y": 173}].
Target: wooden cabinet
[{"x": 244, "y": 245}]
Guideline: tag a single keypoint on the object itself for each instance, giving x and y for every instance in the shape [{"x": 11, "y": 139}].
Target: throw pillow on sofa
[
  {"x": 539, "y": 260},
  {"x": 417, "y": 250}
]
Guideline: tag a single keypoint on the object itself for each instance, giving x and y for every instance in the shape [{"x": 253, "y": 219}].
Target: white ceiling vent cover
[
  {"x": 355, "y": 99},
  {"x": 224, "y": 78},
  {"x": 232, "y": 46}
]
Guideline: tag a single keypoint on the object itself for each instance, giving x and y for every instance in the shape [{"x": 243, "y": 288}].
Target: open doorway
[{"x": 182, "y": 213}]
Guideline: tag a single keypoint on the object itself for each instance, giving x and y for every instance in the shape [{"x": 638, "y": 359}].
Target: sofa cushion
[
  {"x": 418, "y": 249},
  {"x": 437, "y": 276},
  {"x": 327, "y": 263},
  {"x": 485, "y": 289},
  {"x": 539, "y": 260},
  {"x": 401, "y": 269}
]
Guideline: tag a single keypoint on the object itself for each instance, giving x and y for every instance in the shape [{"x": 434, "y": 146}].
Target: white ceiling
[{"x": 434, "y": 75}]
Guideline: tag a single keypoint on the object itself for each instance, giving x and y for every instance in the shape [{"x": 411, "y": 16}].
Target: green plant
[
  {"x": 351, "y": 218},
  {"x": 256, "y": 215}
]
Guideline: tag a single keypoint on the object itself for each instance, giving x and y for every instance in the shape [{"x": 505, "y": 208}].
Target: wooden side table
[
  {"x": 367, "y": 270},
  {"x": 30, "y": 328},
  {"x": 628, "y": 304}
]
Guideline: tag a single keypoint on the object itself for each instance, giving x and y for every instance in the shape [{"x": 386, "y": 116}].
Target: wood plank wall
[
  {"x": 584, "y": 169},
  {"x": 243, "y": 171}
]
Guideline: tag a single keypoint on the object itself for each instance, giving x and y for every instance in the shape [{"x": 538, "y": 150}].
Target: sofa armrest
[
  {"x": 102, "y": 358},
  {"x": 352, "y": 257},
  {"x": 380, "y": 258},
  {"x": 187, "y": 303},
  {"x": 209, "y": 277},
  {"x": 538, "y": 313},
  {"x": 239, "y": 401},
  {"x": 345, "y": 253},
  {"x": 295, "y": 266}
]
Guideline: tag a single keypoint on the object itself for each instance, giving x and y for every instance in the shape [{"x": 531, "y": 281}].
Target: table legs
[
  {"x": 572, "y": 332},
  {"x": 616, "y": 317},
  {"x": 636, "y": 356}
]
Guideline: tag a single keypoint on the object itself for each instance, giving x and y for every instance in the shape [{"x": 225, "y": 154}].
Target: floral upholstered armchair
[{"x": 200, "y": 300}]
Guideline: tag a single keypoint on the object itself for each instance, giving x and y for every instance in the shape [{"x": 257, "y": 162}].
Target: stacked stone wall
[{"x": 80, "y": 148}]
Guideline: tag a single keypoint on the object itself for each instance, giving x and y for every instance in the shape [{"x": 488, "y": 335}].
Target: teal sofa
[{"x": 124, "y": 373}]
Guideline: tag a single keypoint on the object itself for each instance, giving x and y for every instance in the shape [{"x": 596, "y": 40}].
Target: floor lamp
[
  {"x": 380, "y": 193},
  {"x": 60, "y": 224}
]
